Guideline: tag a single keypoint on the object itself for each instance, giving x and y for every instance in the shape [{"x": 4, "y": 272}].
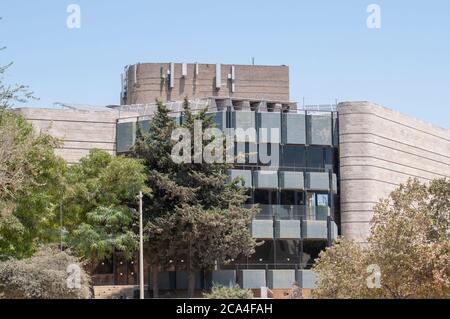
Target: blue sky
[{"x": 326, "y": 43}]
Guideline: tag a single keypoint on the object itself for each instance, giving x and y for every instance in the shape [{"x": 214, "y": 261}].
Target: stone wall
[
  {"x": 379, "y": 149},
  {"x": 78, "y": 130},
  {"x": 148, "y": 81}
]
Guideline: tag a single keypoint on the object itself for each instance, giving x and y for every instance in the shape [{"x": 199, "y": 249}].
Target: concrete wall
[
  {"x": 79, "y": 130},
  {"x": 144, "y": 82},
  {"x": 379, "y": 149}
]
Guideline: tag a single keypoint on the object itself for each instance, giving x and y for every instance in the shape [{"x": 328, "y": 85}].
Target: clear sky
[{"x": 331, "y": 52}]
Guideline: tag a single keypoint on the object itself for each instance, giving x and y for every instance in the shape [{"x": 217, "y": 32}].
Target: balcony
[
  {"x": 292, "y": 212},
  {"x": 292, "y": 222},
  {"x": 291, "y": 180},
  {"x": 266, "y": 179},
  {"x": 320, "y": 181}
]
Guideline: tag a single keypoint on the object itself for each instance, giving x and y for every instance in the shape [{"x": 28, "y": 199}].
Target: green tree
[
  {"x": 29, "y": 175},
  {"x": 195, "y": 217},
  {"x": 409, "y": 243},
  {"x": 30, "y": 178},
  {"x": 98, "y": 205},
  {"x": 44, "y": 276}
]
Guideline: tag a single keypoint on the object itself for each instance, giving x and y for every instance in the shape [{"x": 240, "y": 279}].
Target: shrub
[
  {"x": 45, "y": 275},
  {"x": 220, "y": 292}
]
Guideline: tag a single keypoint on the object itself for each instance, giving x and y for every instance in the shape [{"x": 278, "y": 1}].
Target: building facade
[
  {"x": 328, "y": 166},
  {"x": 142, "y": 83},
  {"x": 379, "y": 149}
]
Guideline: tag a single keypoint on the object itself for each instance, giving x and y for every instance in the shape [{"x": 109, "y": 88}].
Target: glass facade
[{"x": 293, "y": 193}]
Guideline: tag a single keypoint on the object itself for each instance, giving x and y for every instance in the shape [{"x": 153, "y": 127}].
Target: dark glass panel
[{"x": 315, "y": 158}]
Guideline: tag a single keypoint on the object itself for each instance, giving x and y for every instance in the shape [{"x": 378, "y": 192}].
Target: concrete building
[
  {"x": 142, "y": 83},
  {"x": 379, "y": 149},
  {"x": 79, "y": 130},
  {"x": 334, "y": 162}
]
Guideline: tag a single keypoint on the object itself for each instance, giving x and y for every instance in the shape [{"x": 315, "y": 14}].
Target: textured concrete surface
[
  {"x": 78, "y": 130},
  {"x": 379, "y": 149},
  {"x": 145, "y": 82}
]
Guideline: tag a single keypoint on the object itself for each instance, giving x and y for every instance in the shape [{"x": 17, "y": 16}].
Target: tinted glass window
[
  {"x": 322, "y": 200},
  {"x": 292, "y": 198},
  {"x": 263, "y": 253},
  {"x": 293, "y": 156},
  {"x": 315, "y": 158},
  {"x": 330, "y": 156},
  {"x": 287, "y": 251},
  {"x": 265, "y": 197},
  {"x": 262, "y": 197},
  {"x": 288, "y": 198}
]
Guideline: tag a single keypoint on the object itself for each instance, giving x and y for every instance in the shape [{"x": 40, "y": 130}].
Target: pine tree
[{"x": 195, "y": 218}]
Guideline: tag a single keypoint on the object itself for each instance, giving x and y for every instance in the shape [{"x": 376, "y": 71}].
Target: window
[
  {"x": 294, "y": 131},
  {"x": 317, "y": 206},
  {"x": 287, "y": 251},
  {"x": 289, "y": 197},
  {"x": 293, "y": 156},
  {"x": 321, "y": 199},
  {"x": 265, "y": 197},
  {"x": 315, "y": 157},
  {"x": 331, "y": 158},
  {"x": 263, "y": 254}
]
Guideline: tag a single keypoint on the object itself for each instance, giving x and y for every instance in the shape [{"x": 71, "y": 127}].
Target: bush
[
  {"x": 220, "y": 292},
  {"x": 45, "y": 275}
]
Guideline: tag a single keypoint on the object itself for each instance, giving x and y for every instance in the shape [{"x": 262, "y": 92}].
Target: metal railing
[
  {"x": 319, "y": 107},
  {"x": 291, "y": 212},
  {"x": 296, "y": 264}
]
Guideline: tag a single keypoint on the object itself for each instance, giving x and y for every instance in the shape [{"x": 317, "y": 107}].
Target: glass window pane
[
  {"x": 294, "y": 131},
  {"x": 266, "y": 123},
  {"x": 322, "y": 200},
  {"x": 299, "y": 198},
  {"x": 263, "y": 253},
  {"x": 293, "y": 156},
  {"x": 287, "y": 198},
  {"x": 262, "y": 197},
  {"x": 287, "y": 251},
  {"x": 319, "y": 129},
  {"x": 315, "y": 157}
]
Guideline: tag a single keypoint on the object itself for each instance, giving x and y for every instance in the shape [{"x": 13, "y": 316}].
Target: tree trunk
[
  {"x": 155, "y": 272},
  {"x": 191, "y": 283}
]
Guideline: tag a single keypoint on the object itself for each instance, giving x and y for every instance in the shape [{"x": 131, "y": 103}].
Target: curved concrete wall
[
  {"x": 147, "y": 81},
  {"x": 379, "y": 149}
]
